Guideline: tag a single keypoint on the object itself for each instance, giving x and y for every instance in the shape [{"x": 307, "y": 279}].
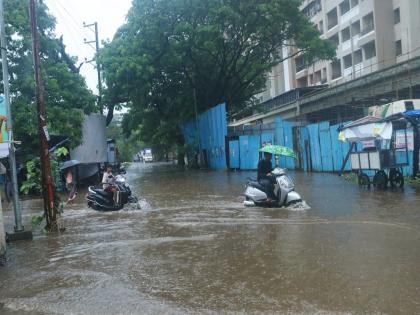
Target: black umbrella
[{"x": 69, "y": 164}]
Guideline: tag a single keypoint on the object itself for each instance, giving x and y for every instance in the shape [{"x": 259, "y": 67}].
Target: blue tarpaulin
[{"x": 412, "y": 113}]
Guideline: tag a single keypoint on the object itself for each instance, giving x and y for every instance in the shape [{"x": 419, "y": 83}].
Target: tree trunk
[
  {"x": 110, "y": 114},
  {"x": 181, "y": 153}
]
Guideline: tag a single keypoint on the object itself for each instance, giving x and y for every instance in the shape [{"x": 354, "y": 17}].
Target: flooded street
[{"x": 194, "y": 248}]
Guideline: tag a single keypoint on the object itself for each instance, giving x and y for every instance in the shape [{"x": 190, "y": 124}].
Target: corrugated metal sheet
[
  {"x": 94, "y": 146},
  {"x": 325, "y": 146},
  {"x": 212, "y": 127},
  {"x": 249, "y": 155},
  {"x": 284, "y": 137},
  {"x": 304, "y": 144},
  {"x": 234, "y": 154}
]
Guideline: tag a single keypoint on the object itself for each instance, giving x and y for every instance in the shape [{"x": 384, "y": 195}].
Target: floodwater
[{"x": 193, "y": 248}]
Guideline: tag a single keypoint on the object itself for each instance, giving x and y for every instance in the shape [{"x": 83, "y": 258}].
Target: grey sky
[{"x": 70, "y": 15}]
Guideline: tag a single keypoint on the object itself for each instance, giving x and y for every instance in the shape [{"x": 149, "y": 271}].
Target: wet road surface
[{"x": 194, "y": 248}]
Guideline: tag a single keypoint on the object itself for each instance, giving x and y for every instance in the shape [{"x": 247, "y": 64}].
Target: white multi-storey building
[{"x": 370, "y": 35}]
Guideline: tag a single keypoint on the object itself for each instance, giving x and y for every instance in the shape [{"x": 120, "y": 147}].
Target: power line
[{"x": 71, "y": 31}]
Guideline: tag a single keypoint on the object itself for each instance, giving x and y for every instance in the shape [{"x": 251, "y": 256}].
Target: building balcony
[
  {"x": 350, "y": 15},
  {"x": 345, "y": 46},
  {"x": 302, "y": 73},
  {"x": 367, "y": 29}
]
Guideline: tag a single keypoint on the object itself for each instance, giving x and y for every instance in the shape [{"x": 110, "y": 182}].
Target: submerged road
[{"x": 194, "y": 248}]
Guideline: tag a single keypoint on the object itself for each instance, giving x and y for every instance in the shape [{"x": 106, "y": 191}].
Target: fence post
[
  {"x": 346, "y": 159},
  {"x": 2, "y": 238}
]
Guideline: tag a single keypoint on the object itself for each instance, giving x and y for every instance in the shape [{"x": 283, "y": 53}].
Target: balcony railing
[
  {"x": 300, "y": 67},
  {"x": 367, "y": 29}
]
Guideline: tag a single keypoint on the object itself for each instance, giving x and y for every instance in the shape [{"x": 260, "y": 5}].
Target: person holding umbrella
[{"x": 264, "y": 176}]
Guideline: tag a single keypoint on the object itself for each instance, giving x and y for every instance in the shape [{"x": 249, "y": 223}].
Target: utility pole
[
  {"x": 98, "y": 66},
  {"x": 17, "y": 207},
  {"x": 47, "y": 183}
]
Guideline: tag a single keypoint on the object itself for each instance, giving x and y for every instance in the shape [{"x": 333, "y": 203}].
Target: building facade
[{"x": 370, "y": 35}]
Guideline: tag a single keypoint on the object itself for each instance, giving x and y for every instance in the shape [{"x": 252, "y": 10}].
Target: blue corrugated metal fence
[{"x": 317, "y": 145}]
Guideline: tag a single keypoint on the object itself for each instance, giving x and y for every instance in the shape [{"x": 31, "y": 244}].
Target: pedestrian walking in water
[{"x": 71, "y": 185}]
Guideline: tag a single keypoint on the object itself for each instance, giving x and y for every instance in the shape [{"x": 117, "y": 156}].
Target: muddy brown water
[{"x": 193, "y": 248}]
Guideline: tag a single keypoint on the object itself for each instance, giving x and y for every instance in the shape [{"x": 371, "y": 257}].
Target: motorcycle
[
  {"x": 101, "y": 200},
  {"x": 284, "y": 190}
]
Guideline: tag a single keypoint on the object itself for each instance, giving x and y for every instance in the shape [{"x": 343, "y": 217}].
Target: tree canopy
[
  {"x": 174, "y": 55},
  {"x": 67, "y": 97}
]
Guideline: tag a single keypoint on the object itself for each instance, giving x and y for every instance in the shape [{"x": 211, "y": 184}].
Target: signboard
[
  {"x": 4, "y": 135},
  {"x": 368, "y": 144},
  {"x": 400, "y": 140}
]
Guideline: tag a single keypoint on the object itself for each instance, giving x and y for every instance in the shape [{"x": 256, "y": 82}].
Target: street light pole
[{"x": 17, "y": 207}]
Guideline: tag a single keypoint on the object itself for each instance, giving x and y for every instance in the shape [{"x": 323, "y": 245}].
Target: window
[
  {"x": 345, "y": 34},
  {"x": 324, "y": 76},
  {"x": 370, "y": 50},
  {"x": 368, "y": 23},
  {"x": 397, "y": 17},
  {"x": 312, "y": 8},
  {"x": 303, "y": 82},
  {"x": 344, "y": 7},
  {"x": 347, "y": 61},
  {"x": 332, "y": 18},
  {"x": 358, "y": 57},
  {"x": 317, "y": 77},
  {"x": 355, "y": 28},
  {"x": 398, "y": 48},
  {"x": 300, "y": 64},
  {"x": 321, "y": 27},
  {"x": 335, "y": 39},
  {"x": 354, "y": 3},
  {"x": 336, "y": 69}
]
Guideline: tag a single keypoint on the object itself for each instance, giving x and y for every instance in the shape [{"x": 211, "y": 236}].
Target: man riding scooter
[
  {"x": 264, "y": 177},
  {"x": 108, "y": 180}
]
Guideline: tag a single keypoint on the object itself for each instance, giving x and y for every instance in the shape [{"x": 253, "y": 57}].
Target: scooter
[
  {"x": 284, "y": 190},
  {"x": 101, "y": 200}
]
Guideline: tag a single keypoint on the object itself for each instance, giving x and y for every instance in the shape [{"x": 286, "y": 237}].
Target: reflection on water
[{"x": 194, "y": 248}]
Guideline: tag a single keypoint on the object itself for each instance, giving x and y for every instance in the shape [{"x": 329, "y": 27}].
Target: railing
[
  {"x": 301, "y": 66},
  {"x": 332, "y": 24},
  {"x": 367, "y": 29}
]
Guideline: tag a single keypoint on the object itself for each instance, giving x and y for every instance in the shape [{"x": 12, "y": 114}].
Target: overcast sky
[{"x": 70, "y": 15}]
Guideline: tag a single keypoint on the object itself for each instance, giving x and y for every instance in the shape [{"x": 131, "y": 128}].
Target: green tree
[
  {"x": 127, "y": 146},
  {"x": 66, "y": 94},
  {"x": 173, "y": 56}
]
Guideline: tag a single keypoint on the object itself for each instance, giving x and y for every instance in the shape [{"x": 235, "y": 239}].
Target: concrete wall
[
  {"x": 384, "y": 27},
  {"x": 94, "y": 147}
]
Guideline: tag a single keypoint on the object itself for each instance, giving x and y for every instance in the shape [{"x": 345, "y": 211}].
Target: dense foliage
[
  {"x": 127, "y": 146},
  {"x": 174, "y": 54},
  {"x": 66, "y": 94}
]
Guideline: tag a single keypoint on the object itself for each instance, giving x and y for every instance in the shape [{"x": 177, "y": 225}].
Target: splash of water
[{"x": 298, "y": 206}]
